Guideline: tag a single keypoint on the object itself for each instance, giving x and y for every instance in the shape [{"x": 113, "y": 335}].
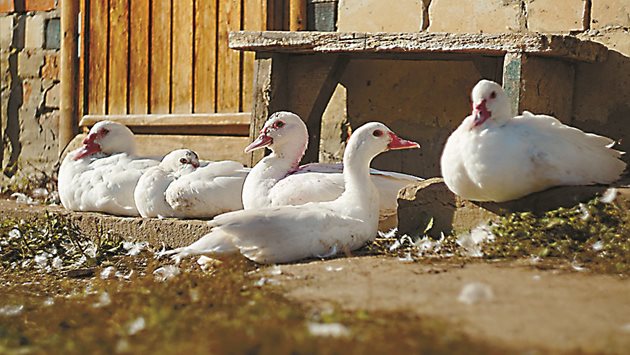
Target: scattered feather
[
  {"x": 275, "y": 270},
  {"x": 265, "y": 281},
  {"x": 577, "y": 267},
  {"x": 194, "y": 295},
  {"x": 206, "y": 262},
  {"x": 134, "y": 248},
  {"x": 473, "y": 241},
  {"x": 22, "y": 198},
  {"x": 40, "y": 193},
  {"x": 166, "y": 272},
  {"x": 103, "y": 300},
  {"x": 57, "y": 263},
  {"x": 389, "y": 234},
  {"x": 136, "y": 325},
  {"x": 41, "y": 260},
  {"x": 107, "y": 272},
  {"x": 334, "y": 330},
  {"x": 406, "y": 259},
  {"x": 49, "y": 302},
  {"x": 598, "y": 245},
  {"x": 11, "y": 310},
  {"x": 330, "y": 268},
  {"x": 586, "y": 214},
  {"x": 475, "y": 292},
  {"x": 609, "y": 196}
]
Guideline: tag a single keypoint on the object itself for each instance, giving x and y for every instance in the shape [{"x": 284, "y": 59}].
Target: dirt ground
[{"x": 531, "y": 309}]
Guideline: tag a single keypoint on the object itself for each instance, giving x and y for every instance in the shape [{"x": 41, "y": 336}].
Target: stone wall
[
  {"x": 426, "y": 100},
  {"x": 29, "y": 90}
]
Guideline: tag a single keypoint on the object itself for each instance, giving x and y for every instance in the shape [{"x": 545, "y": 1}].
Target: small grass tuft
[{"x": 53, "y": 242}]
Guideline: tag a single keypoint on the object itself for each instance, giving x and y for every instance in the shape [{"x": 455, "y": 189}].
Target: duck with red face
[
  {"x": 101, "y": 175},
  {"x": 494, "y": 156}
]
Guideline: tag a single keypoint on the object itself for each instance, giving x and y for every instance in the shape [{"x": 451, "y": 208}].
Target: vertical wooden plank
[
  {"x": 97, "y": 66},
  {"x": 139, "y": 56},
  {"x": 118, "y": 57},
  {"x": 160, "y": 77},
  {"x": 182, "y": 67},
  {"x": 205, "y": 56},
  {"x": 255, "y": 19},
  {"x": 228, "y": 69},
  {"x": 297, "y": 15},
  {"x": 69, "y": 69},
  {"x": 81, "y": 91}
]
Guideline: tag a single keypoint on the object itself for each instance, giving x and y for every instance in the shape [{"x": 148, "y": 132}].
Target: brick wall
[{"x": 29, "y": 89}]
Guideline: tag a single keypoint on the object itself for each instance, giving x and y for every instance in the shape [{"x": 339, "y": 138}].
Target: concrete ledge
[
  {"x": 418, "y": 203},
  {"x": 558, "y": 46},
  {"x": 170, "y": 232}
]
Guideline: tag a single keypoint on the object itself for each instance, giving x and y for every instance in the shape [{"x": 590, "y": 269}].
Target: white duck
[
  {"x": 493, "y": 156},
  {"x": 211, "y": 189},
  {"x": 101, "y": 175},
  {"x": 278, "y": 180},
  {"x": 289, "y": 233},
  {"x": 150, "y": 192}
]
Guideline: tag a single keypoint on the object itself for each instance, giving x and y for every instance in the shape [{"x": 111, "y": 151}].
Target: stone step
[
  {"x": 431, "y": 198},
  {"x": 171, "y": 233}
]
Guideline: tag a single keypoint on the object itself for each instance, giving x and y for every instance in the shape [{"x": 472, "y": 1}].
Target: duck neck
[
  {"x": 266, "y": 174},
  {"x": 356, "y": 176}
]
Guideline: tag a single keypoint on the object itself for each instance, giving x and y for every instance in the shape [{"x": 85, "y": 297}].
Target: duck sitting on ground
[
  {"x": 290, "y": 233},
  {"x": 278, "y": 179},
  {"x": 494, "y": 156},
  {"x": 102, "y": 174},
  {"x": 184, "y": 187}
]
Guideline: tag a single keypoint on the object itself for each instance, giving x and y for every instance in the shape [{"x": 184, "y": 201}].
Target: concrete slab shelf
[{"x": 560, "y": 46}]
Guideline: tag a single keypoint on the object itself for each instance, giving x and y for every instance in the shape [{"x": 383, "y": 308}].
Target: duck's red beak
[
  {"x": 262, "y": 141},
  {"x": 480, "y": 113},
  {"x": 399, "y": 143},
  {"x": 89, "y": 147}
]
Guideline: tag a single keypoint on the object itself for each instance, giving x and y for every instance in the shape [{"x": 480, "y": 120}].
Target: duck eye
[
  {"x": 279, "y": 124},
  {"x": 183, "y": 160},
  {"x": 493, "y": 94},
  {"x": 377, "y": 133}
]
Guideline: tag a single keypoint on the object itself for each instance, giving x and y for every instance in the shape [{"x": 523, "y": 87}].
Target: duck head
[
  {"x": 283, "y": 131},
  {"x": 374, "y": 138},
  {"x": 489, "y": 102},
  {"x": 109, "y": 138},
  {"x": 180, "y": 159}
]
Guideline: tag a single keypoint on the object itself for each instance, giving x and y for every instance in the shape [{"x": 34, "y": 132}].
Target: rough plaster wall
[
  {"x": 365, "y": 16},
  {"x": 423, "y": 101},
  {"x": 601, "y": 100},
  {"x": 29, "y": 96}
]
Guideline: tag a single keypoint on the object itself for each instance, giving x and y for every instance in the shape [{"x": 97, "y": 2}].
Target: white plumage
[
  {"x": 214, "y": 188},
  {"x": 493, "y": 156},
  {"x": 183, "y": 187},
  {"x": 289, "y": 233},
  {"x": 101, "y": 175},
  {"x": 278, "y": 180}
]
